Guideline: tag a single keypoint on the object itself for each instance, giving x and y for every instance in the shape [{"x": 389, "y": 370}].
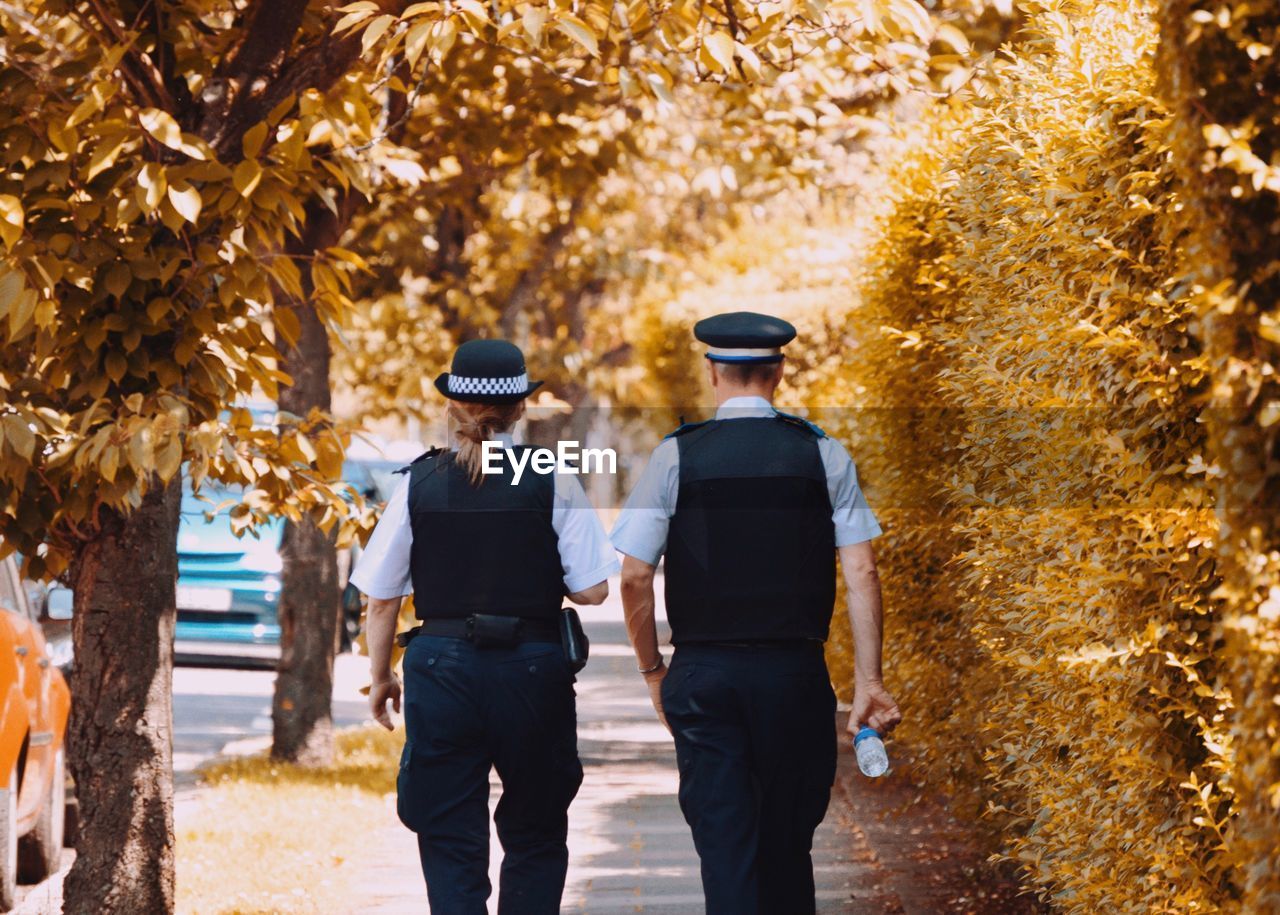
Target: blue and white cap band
[
  {"x": 744, "y": 354},
  {"x": 513, "y": 384}
]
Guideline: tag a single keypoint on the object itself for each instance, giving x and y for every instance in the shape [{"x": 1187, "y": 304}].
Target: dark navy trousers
[
  {"x": 467, "y": 710},
  {"x": 756, "y": 745}
]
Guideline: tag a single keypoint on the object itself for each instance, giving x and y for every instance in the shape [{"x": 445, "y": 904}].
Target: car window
[{"x": 10, "y": 595}]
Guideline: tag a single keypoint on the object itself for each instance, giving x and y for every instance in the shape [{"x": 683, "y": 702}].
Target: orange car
[{"x": 34, "y": 701}]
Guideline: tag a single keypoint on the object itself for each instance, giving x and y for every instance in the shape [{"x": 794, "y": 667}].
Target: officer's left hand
[
  {"x": 874, "y": 707},
  {"x": 379, "y": 694}
]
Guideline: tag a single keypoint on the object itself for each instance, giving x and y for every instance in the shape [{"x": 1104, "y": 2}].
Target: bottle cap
[{"x": 864, "y": 732}]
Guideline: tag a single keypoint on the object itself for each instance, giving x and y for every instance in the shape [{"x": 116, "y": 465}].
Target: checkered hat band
[{"x": 513, "y": 384}]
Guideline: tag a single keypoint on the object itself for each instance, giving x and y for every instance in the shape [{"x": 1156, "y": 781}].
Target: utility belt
[
  {"x": 787, "y": 646},
  {"x": 486, "y": 630}
]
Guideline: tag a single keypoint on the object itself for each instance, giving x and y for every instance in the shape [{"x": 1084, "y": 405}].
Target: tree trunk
[
  {"x": 121, "y": 729},
  {"x": 545, "y": 429},
  {"x": 302, "y": 709}
]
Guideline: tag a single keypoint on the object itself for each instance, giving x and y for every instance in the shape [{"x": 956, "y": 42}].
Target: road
[{"x": 218, "y": 711}]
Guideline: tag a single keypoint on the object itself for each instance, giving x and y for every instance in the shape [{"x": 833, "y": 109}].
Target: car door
[{"x": 33, "y": 667}]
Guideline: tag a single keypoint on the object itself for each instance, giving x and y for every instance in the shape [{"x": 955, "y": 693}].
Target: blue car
[{"x": 228, "y": 586}]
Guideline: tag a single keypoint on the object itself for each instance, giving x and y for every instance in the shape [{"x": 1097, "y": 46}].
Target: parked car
[
  {"x": 34, "y": 703},
  {"x": 228, "y": 586},
  {"x": 51, "y": 602}
]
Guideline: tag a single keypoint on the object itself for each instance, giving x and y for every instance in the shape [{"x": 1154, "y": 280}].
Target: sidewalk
[{"x": 630, "y": 849}]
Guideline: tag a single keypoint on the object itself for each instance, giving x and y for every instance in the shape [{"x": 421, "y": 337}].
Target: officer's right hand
[
  {"x": 874, "y": 707},
  {"x": 654, "y": 680},
  {"x": 379, "y": 694}
]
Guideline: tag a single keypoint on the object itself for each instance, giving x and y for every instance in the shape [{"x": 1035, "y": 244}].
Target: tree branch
[
  {"x": 135, "y": 67},
  {"x": 268, "y": 32},
  {"x": 317, "y": 66}
]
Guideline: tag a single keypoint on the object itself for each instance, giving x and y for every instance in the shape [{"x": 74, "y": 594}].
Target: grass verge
[{"x": 268, "y": 837}]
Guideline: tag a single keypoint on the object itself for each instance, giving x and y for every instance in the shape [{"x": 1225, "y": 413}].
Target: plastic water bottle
[{"x": 869, "y": 748}]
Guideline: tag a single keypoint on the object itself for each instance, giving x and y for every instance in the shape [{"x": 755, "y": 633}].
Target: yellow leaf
[
  {"x": 475, "y": 12},
  {"x": 21, "y": 309},
  {"x": 118, "y": 278},
  {"x": 535, "y": 17},
  {"x": 140, "y": 450},
  {"x": 308, "y": 450},
  {"x": 416, "y": 41},
  {"x": 116, "y": 366},
  {"x": 109, "y": 463},
  {"x": 286, "y": 322},
  {"x": 11, "y": 220},
  {"x": 169, "y": 459},
  {"x": 579, "y": 31},
  {"x": 660, "y": 86},
  {"x": 914, "y": 16},
  {"x": 18, "y": 434},
  {"x": 162, "y": 126},
  {"x": 253, "y": 139},
  {"x": 246, "y": 177},
  {"x": 626, "y": 82},
  {"x": 750, "y": 60},
  {"x": 376, "y": 30},
  {"x": 952, "y": 36},
  {"x": 104, "y": 155},
  {"x": 719, "y": 48},
  {"x": 186, "y": 200},
  {"x": 354, "y": 18},
  {"x": 151, "y": 186}
]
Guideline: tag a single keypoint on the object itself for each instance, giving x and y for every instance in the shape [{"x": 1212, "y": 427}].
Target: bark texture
[{"x": 121, "y": 728}]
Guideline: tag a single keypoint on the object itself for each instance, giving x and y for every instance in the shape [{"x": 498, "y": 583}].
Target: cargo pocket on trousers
[{"x": 408, "y": 793}]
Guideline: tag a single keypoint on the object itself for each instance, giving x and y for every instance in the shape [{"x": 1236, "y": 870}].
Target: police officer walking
[
  {"x": 750, "y": 509},
  {"x": 487, "y": 682}
]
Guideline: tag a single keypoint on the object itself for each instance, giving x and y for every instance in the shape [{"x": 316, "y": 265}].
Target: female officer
[{"x": 488, "y": 561}]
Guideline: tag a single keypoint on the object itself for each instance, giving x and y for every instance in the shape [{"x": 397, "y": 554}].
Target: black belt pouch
[
  {"x": 487, "y": 631},
  {"x": 577, "y": 648}
]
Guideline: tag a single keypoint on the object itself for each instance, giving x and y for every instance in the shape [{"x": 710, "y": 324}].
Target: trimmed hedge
[
  {"x": 1221, "y": 76},
  {"x": 1080, "y": 542}
]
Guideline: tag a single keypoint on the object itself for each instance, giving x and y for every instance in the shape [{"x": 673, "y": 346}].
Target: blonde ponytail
[{"x": 475, "y": 423}]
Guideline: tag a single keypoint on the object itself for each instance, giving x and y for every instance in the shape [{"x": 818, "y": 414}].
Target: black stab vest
[
  {"x": 751, "y": 551},
  {"x": 482, "y": 549}
]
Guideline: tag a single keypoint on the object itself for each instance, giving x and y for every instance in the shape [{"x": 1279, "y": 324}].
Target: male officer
[
  {"x": 487, "y": 684},
  {"x": 750, "y": 509}
]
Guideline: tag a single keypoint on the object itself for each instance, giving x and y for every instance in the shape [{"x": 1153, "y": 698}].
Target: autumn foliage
[{"x": 1068, "y": 347}]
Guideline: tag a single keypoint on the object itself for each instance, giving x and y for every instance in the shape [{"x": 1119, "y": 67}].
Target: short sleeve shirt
[
  {"x": 641, "y": 528},
  {"x": 585, "y": 553}
]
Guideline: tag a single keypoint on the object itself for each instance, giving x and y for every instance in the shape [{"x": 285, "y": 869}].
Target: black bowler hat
[
  {"x": 744, "y": 337},
  {"x": 487, "y": 371}
]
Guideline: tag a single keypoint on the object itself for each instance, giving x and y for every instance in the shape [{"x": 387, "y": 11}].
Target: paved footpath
[{"x": 630, "y": 849}]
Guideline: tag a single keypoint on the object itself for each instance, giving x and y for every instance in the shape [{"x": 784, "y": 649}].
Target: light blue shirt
[
  {"x": 641, "y": 529},
  {"x": 585, "y": 553}
]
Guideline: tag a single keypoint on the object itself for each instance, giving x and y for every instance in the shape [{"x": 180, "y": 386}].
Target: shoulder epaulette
[
  {"x": 801, "y": 422},
  {"x": 430, "y": 452},
  {"x": 685, "y": 427}
]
